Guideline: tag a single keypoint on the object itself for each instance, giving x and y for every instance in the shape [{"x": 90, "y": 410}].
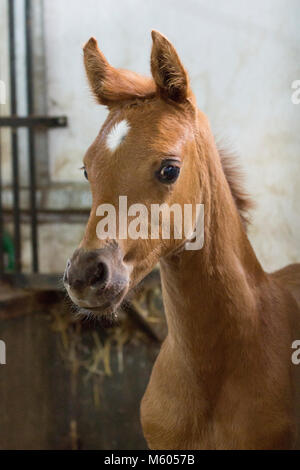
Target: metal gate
[{"x": 11, "y": 244}]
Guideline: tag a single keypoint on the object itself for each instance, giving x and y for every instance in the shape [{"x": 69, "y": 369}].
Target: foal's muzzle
[{"x": 97, "y": 280}]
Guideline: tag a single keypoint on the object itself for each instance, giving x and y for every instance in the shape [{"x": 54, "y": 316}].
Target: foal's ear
[
  {"x": 168, "y": 72},
  {"x": 111, "y": 85},
  {"x": 97, "y": 69}
]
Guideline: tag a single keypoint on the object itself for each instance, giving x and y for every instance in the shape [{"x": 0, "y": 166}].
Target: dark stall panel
[{"x": 69, "y": 385}]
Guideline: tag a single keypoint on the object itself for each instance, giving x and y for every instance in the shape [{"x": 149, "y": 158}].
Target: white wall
[
  {"x": 242, "y": 57},
  {"x": 5, "y": 140}
]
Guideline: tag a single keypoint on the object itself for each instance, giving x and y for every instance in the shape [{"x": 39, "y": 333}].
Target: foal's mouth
[{"x": 107, "y": 308}]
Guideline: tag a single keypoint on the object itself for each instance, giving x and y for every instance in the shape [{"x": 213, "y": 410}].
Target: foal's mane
[{"x": 235, "y": 179}]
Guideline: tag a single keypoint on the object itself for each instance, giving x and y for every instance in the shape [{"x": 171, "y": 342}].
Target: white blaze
[{"x": 117, "y": 134}]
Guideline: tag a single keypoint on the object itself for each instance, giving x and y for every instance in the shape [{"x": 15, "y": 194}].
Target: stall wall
[{"x": 242, "y": 58}]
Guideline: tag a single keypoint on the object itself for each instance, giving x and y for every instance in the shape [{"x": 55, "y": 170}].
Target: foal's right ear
[
  {"x": 171, "y": 78},
  {"x": 97, "y": 70},
  {"x": 111, "y": 85}
]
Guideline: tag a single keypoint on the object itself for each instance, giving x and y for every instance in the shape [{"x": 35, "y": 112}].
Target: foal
[{"x": 224, "y": 378}]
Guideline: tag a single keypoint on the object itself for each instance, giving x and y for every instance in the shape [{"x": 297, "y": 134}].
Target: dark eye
[
  {"x": 168, "y": 173},
  {"x": 85, "y": 172}
]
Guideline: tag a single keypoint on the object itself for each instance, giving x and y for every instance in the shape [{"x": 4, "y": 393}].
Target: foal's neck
[{"x": 211, "y": 295}]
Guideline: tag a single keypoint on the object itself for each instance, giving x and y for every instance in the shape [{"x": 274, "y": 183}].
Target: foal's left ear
[
  {"x": 171, "y": 78},
  {"x": 111, "y": 85}
]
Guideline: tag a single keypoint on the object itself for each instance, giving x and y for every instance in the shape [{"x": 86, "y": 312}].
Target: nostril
[
  {"x": 65, "y": 276},
  {"x": 100, "y": 277}
]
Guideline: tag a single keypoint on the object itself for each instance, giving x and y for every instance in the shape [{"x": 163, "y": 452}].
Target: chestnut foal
[{"x": 224, "y": 378}]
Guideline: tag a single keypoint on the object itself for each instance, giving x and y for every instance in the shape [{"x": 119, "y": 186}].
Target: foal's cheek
[{"x": 141, "y": 256}]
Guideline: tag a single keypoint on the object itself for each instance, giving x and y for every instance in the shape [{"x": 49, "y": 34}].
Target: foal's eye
[
  {"x": 168, "y": 173},
  {"x": 84, "y": 172}
]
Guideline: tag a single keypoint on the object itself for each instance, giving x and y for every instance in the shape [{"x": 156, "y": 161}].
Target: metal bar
[
  {"x": 31, "y": 142},
  {"x": 51, "y": 216},
  {"x": 34, "y": 281},
  {"x": 63, "y": 212},
  {"x": 14, "y": 137},
  {"x": 33, "y": 121},
  {"x": 1, "y": 214}
]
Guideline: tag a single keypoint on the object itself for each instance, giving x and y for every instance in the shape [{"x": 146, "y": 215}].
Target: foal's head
[{"x": 147, "y": 151}]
